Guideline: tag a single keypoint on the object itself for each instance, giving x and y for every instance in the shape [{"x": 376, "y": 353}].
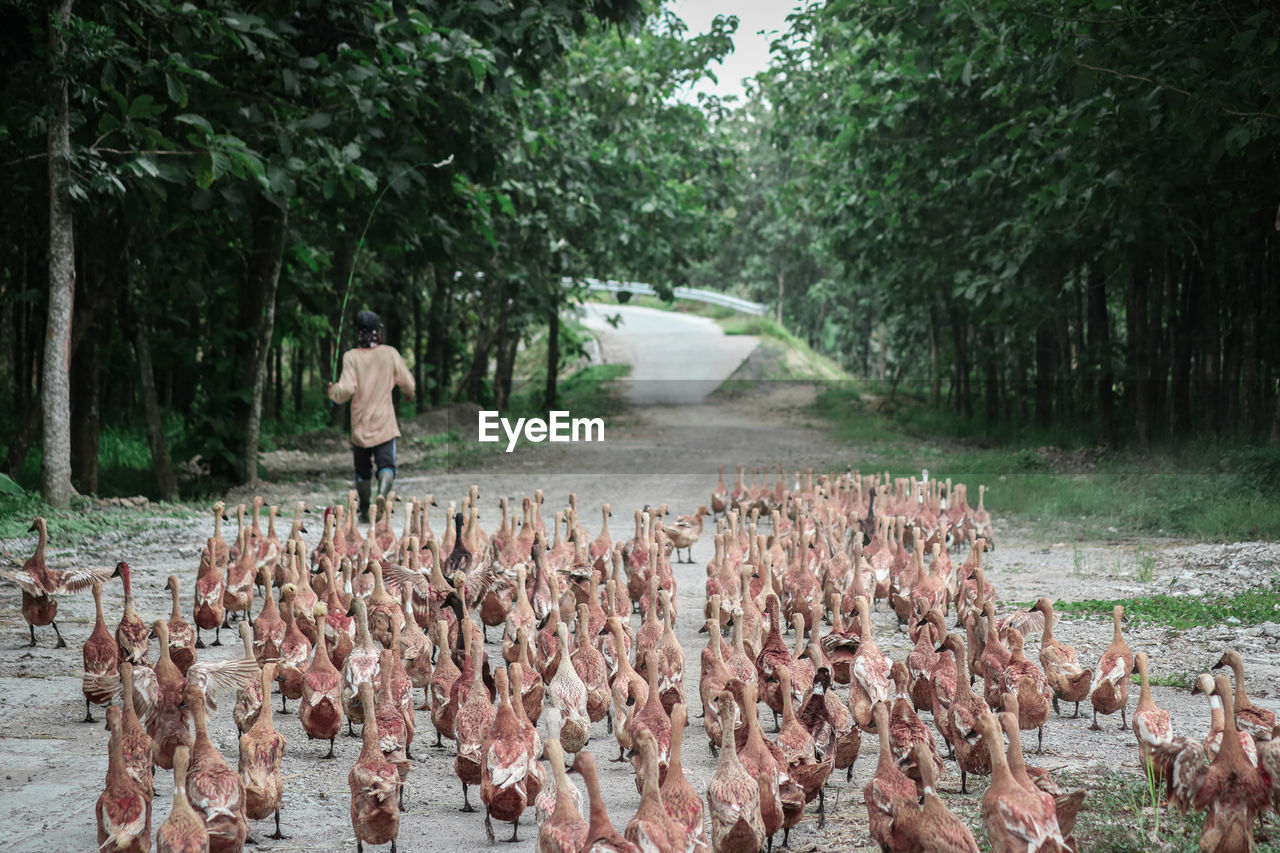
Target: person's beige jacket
[{"x": 368, "y": 375}]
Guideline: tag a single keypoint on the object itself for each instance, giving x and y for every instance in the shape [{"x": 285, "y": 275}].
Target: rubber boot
[
  {"x": 386, "y": 481},
  {"x": 363, "y": 488}
]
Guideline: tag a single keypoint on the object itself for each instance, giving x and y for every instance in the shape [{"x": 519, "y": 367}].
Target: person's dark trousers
[{"x": 383, "y": 456}]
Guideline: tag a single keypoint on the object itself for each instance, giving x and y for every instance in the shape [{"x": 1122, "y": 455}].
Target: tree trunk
[
  {"x": 1251, "y": 399},
  {"x": 258, "y": 304},
  {"x": 1139, "y": 356},
  {"x": 1044, "y": 374},
  {"x": 166, "y": 483},
  {"x": 420, "y": 398},
  {"x": 55, "y": 468},
  {"x": 1209, "y": 337},
  {"x": 437, "y": 338},
  {"x": 992, "y": 386},
  {"x": 935, "y": 377},
  {"x": 1180, "y": 413},
  {"x": 553, "y": 355},
  {"x": 1100, "y": 351},
  {"x": 782, "y": 280},
  {"x": 299, "y": 368},
  {"x": 86, "y": 410}
]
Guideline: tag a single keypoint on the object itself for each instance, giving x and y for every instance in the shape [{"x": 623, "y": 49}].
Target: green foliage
[{"x": 1186, "y": 611}]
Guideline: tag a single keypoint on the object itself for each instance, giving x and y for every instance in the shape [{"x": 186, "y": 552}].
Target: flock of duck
[{"x": 349, "y": 628}]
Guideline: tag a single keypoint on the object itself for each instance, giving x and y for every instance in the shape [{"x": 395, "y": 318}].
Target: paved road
[{"x": 676, "y": 358}]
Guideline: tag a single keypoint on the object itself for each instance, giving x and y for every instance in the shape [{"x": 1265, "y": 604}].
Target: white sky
[{"x": 750, "y": 47}]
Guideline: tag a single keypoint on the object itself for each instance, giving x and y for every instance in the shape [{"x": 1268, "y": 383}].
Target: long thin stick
[{"x": 346, "y": 295}]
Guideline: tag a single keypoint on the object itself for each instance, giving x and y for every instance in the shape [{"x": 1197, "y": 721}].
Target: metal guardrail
[{"x": 695, "y": 294}]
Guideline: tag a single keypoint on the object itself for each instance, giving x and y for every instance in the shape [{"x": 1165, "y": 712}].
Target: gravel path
[{"x": 53, "y": 765}]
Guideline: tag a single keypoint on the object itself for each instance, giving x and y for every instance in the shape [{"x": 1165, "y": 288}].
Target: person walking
[{"x": 369, "y": 373}]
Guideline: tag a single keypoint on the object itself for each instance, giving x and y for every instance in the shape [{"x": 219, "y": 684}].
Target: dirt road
[{"x": 54, "y": 766}]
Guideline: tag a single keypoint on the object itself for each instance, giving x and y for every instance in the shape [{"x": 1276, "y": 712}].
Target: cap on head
[{"x": 368, "y": 320}]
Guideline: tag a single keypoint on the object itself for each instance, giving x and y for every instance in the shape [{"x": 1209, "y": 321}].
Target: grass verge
[
  {"x": 799, "y": 360},
  {"x": 1188, "y": 611},
  {"x": 1206, "y": 491}
]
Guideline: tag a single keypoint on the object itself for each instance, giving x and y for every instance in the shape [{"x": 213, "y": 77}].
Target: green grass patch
[
  {"x": 1184, "y": 680},
  {"x": 83, "y": 521},
  {"x": 1122, "y": 814},
  {"x": 799, "y": 360},
  {"x": 1207, "y": 491},
  {"x": 1187, "y": 611}
]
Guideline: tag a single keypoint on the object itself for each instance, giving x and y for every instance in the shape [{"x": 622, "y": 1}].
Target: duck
[
  {"x": 719, "y": 496},
  {"x": 760, "y": 761},
  {"x": 416, "y": 647},
  {"x": 1109, "y": 691},
  {"x": 923, "y": 658},
  {"x": 531, "y": 686},
  {"x": 807, "y": 765},
  {"x": 1151, "y": 724},
  {"x": 653, "y": 716},
  {"x": 934, "y": 828},
  {"x": 670, "y": 658},
  {"x": 383, "y": 610},
  {"x": 133, "y": 637},
  {"x": 685, "y": 532},
  {"x": 773, "y": 657},
  {"x": 261, "y": 750},
  {"x": 182, "y": 831},
  {"x": 537, "y": 776},
  {"x": 1026, "y": 681},
  {"x": 565, "y": 831},
  {"x": 568, "y": 695},
  {"x": 906, "y": 730},
  {"x": 968, "y": 707},
  {"x": 1017, "y": 819},
  {"x": 519, "y": 616},
  {"x": 124, "y": 808},
  {"x": 652, "y": 828},
  {"x": 394, "y": 731},
  {"x": 889, "y": 793},
  {"x": 733, "y": 795},
  {"x": 591, "y": 668},
  {"x": 237, "y": 591},
  {"x": 320, "y": 710},
  {"x": 679, "y": 797},
  {"x": 603, "y": 543},
  {"x": 1258, "y": 722},
  {"x": 1231, "y": 790},
  {"x": 215, "y": 790},
  {"x": 471, "y": 726},
  {"x": 101, "y": 659},
  {"x": 217, "y": 546},
  {"x": 444, "y": 675},
  {"x": 136, "y": 743},
  {"x": 1068, "y": 680},
  {"x": 250, "y": 697},
  {"x": 294, "y": 651},
  {"x": 182, "y": 640},
  {"x": 871, "y": 682},
  {"x": 601, "y": 836},
  {"x": 630, "y": 694},
  {"x": 269, "y": 628},
  {"x": 1066, "y": 805},
  {"x": 169, "y": 727},
  {"x": 361, "y": 666},
  {"x": 1205, "y": 685},
  {"x": 374, "y": 783},
  {"x": 40, "y": 583}
]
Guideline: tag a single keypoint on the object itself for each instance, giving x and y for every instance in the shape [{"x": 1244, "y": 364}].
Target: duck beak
[{"x": 1219, "y": 665}]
